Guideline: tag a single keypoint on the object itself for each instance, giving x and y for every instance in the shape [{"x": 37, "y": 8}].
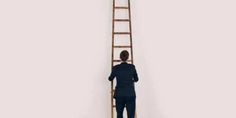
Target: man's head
[{"x": 124, "y": 55}]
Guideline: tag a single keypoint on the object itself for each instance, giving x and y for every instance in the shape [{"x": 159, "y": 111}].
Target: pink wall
[{"x": 55, "y": 58}]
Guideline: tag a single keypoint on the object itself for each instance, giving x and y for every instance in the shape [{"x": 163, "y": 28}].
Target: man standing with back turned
[{"x": 124, "y": 95}]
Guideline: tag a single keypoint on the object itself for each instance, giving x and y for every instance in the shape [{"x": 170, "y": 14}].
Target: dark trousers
[{"x": 128, "y": 102}]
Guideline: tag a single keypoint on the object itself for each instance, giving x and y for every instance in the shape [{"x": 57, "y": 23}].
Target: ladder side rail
[{"x": 112, "y": 63}]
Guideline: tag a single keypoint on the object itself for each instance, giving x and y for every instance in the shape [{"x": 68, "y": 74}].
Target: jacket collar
[{"x": 124, "y": 62}]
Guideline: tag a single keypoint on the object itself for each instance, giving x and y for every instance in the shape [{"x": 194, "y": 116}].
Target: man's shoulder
[
  {"x": 118, "y": 65},
  {"x": 132, "y": 65}
]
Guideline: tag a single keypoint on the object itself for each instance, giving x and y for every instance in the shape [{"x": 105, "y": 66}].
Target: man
[{"x": 124, "y": 95}]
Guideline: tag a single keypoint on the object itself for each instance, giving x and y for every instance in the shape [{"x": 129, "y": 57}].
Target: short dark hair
[{"x": 124, "y": 55}]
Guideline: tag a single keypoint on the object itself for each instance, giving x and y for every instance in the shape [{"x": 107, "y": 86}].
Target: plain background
[{"x": 55, "y": 58}]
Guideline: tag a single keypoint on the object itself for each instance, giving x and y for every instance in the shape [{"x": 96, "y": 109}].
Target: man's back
[{"x": 125, "y": 75}]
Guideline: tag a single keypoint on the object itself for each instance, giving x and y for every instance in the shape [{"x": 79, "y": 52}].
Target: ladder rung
[
  {"x": 113, "y": 105},
  {"x": 119, "y": 7},
  {"x": 122, "y": 20},
  {"x": 123, "y": 46},
  {"x": 121, "y": 32},
  {"x": 121, "y": 61}
]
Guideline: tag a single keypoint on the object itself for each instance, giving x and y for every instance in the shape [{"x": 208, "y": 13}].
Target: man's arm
[
  {"x": 135, "y": 75},
  {"x": 112, "y": 75}
]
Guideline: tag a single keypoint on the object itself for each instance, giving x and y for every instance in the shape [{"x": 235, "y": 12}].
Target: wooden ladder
[{"x": 128, "y": 46}]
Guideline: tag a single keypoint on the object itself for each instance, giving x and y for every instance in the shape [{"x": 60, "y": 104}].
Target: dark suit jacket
[{"x": 125, "y": 75}]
